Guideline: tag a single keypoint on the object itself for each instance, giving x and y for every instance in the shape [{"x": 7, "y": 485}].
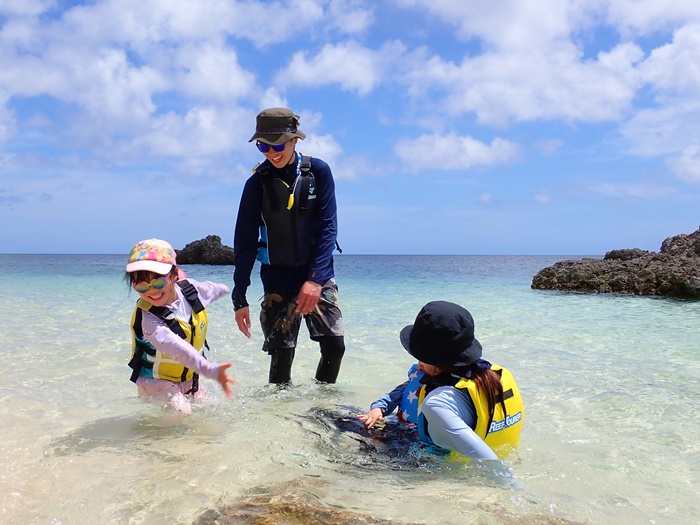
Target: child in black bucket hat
[{"x": 465, "y": 404}]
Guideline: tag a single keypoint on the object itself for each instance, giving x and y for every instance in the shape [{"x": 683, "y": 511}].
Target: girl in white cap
[{"x": 169, "y": 328}]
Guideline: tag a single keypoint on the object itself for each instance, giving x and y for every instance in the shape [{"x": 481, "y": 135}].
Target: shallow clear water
[{"x": 609, "y": 383}]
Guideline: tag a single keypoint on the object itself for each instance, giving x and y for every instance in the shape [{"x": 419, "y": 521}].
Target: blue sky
[{"x": 452, "y": 126}]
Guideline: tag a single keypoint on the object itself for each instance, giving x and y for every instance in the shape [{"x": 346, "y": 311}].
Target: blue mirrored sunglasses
[{"x": 264, "y": 148}]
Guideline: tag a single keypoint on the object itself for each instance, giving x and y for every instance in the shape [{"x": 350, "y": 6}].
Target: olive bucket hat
[
  {"x": 442, "y": 335},
  {"x": 276, "y": 126}
]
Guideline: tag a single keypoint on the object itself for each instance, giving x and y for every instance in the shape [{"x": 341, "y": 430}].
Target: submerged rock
[
  {"x": 288, "y": 503},
  {"x": 295, "y": 502},
  {"x": 673, "y": 272},
  {"x": 389, "y": 445},
  {"x": 206, "y": 251}
]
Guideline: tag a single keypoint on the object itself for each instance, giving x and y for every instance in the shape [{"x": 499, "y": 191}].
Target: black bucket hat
[
  {"x": 442, "y": 335},
  {"x": 276, "y": 126}
]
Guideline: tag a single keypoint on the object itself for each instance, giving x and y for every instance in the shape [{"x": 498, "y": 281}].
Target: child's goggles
[
  {"x": 264, "y": 148},
  {"x": 158, "y": 283}
]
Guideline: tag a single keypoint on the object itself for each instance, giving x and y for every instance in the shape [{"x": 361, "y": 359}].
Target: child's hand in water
[
  {"x": 371, "y": 417},
  {"x": 224, "y": 380}
]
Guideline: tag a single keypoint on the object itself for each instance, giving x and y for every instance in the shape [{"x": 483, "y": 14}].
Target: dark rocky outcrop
[
  {"x": 673, "y": 272},
  {"x": 206, "y": 251}
]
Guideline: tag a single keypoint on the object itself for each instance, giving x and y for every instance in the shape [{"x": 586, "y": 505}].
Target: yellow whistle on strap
[{"x": 290, "y": 202}]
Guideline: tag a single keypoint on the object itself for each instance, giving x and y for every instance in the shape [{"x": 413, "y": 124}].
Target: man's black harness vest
[{"x": 287, "y": 213}]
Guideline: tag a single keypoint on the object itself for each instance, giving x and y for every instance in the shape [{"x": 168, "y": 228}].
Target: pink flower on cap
[{"x": 151, "y": 255}]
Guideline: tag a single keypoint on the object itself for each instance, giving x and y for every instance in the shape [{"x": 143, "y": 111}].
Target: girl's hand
[
  {"x": 371, "y": 417},
  {"x": 224, "y": 380}
]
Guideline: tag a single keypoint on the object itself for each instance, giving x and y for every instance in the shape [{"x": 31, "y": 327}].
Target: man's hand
[
  {"x": 308, "y": 297},
  {"x": 243, "y": 320}
]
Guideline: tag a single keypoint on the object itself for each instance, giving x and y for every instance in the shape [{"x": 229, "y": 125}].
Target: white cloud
[
  {"x": 211, "y": 70},
  {"x": 167, "y": 77},
  {"x": 106, "y": 65},
  {"x": 662, "y": 131},
  {"x": 687, "y": 165},
  {"x": 548, "y": 147},
  {"x": 261, "y": 23},
  {"x": 454, "y": 152},
  {"x": 110, "y": 85},
  {"x": 674, "y": 69},
  {"x": 352, "y": 66},
  {"x": 271, "y": 98},
  {"x": 508, "y": 24},
  {"x": 323, "y": 146},
  {"x": 8, "y": 123},
  {"x": 528, "y": 85},
  {"x": 674, "y": 72},
  {"x": 646, "y": 191},
  {"x": 648, "y": 16},
  {"x": 143, "y": 24},
  {"x": 115, "y": 62},
  {"x": 485, "y": 198},
  {"x": 350, "y": 16},
  {"x": 544, "y": 62},
  {"x": 25, "y": 7},
  {"x": 202, "y": 131},
  {"x": 543, "y": 196}
]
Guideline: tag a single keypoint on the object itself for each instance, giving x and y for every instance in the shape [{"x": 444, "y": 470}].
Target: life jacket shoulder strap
[
  {"x": 261, "y": 167},
  {"x": 268, "y": 183},
  {"x": 305, "y": 183},
  {"x": 191, "y": 294},
  {"x": 168, "y": 318},
  {"x": 136, "y": 360}
]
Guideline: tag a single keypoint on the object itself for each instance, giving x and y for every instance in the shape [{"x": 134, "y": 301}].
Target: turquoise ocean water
[{"x": 610, "y": 386}]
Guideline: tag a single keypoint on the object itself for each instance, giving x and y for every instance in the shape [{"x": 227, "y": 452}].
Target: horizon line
[{"x": 365, "y": 254}]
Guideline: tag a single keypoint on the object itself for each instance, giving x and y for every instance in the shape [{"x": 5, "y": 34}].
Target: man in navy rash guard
[{"x": 287, "y": 220}]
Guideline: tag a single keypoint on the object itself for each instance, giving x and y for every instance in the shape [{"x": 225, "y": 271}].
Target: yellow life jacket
[
  {"x": 503, "y": 434},
  {"x": 146, "y": 360}
]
